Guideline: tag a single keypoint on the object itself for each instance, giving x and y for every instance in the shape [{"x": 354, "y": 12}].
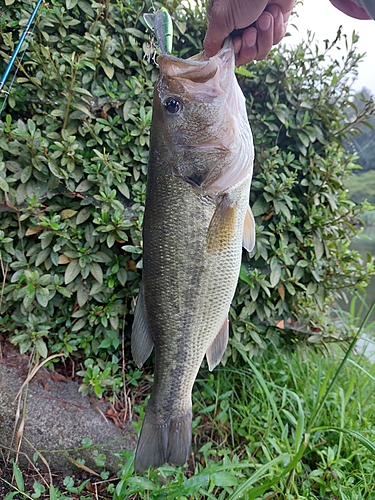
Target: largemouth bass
[{"x": 196, "y": 220}]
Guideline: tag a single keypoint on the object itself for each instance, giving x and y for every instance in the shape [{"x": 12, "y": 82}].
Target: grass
[{"x": 285, "y": 426}]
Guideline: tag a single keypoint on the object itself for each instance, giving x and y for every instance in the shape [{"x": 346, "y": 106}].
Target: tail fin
[{"x": 163, "y": 441}]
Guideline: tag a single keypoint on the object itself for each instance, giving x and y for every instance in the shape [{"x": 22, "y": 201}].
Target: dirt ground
[{"x": 57, "y": 418}]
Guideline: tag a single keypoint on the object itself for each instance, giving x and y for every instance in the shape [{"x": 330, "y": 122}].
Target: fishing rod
[{"x": 18, "y": 47}]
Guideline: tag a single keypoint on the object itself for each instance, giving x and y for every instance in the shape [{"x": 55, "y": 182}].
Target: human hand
[
  {"x": 351, "y": 9},
  {"x": 263, "y": 23}
]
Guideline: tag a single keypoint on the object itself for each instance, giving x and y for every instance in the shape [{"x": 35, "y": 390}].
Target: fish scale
[{"x": 195, "y": 217}]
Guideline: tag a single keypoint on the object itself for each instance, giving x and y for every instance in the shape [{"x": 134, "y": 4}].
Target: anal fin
[
  {"x": 217, "y": 348},
  {"x": 248, "y": 238},
  {"x": 141, "y": 341}
]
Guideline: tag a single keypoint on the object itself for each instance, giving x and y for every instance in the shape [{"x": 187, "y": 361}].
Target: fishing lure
[{"x": 160, "y": 23}]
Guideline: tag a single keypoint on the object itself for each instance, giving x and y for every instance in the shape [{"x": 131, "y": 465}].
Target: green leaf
[
  {"x": 318, "y": 246},
  {"x": 46, "y": 239},
  {"x": 271, "y": 78},
  {"x": 131, "y": 249},
  {"x": 122, "y": 276},
  {"x": 84, "y": 186},
  {"x": 244, "y": 275},
  {"x": 222, "y": 479},
  {"x": 11, "y": 494},
  {"x": 31, "y": 126},
  {"x": 126, "y": 109},
  {"x": 98, "y": 390},
  {"x": 124, "y": 189},
  {"x": 244, "y": 72},
  {"x": 18, "y": 477},
  {"x": 108, "y": 70},
  {"x": 70, "y": 4},
  {"x": 86, "y": 7},
  {"x": 26, "y": 174},
  {"x": 39, "y": 489},
  {"x": 101, "y": 257},
  {"x": 281, "y": 114},
  {"x": 78, "y": 325},
  {"x": 83, "y": 294},
  {"x": 52, "y": 493},
  {"x": 260, "y": 206},
  {"x": 117, "y": 62},
  {"x": 85, "y": 110},
  {"x": 42, "y": 296},
  {"x": 42, "y": 256},
  {"x": 194, "y": 484},
  {"x": 110, "y": 240},
  {"x": 304, "y": 139},
  {"x": 4, "y": 186},
  {"x": 41, "y": 348},
  {"x": 30, "y": 290},
  {"x": 140, "y": 484},
  {"x": 105, "y": 343},
  {"x": 97, "y": 272},
  {"x": 67, "y": 213},
  {"x": 72, "y": 271},
  {"x": 275, "y": 276}
]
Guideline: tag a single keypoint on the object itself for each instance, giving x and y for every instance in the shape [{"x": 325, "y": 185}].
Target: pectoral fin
[
  {"x": 221, "y": 229},
  {"x": 141, "y": 341},
  {"x": 248, "y": 238},
  {"x": 217, "y": 348}
]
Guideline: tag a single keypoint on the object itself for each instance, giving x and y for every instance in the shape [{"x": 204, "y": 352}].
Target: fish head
[{"x": 199, "y": 115}]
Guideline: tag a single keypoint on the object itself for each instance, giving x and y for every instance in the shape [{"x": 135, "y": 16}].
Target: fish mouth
[{"x": 200, "y": 69}]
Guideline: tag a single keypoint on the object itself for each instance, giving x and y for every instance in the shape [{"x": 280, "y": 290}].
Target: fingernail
[
  {"x": 264, "y": 22},
  {"x": 275, "y": 12},
  {"x": 250, "y": 38}
]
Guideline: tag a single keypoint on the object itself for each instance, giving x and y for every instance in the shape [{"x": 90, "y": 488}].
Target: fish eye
[{"x": 173, "y": 105}]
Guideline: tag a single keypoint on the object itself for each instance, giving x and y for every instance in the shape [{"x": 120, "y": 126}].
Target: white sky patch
[{"x": 323, "y": 19}]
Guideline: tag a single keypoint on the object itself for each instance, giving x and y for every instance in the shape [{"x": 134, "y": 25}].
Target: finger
[
  {"x": 264, "y": 27},
  {"x": 213, "y": 41},
  {"x": 225, "y": 16},
  {"x": 211, "y": 45},
  {"x": 286, "y": 6},
  {"x": 248, "y": 47},
  {"x": 237, "y": 44},
  {"x": 279, "y": 26},
  {"x": 218, "y": 28}
]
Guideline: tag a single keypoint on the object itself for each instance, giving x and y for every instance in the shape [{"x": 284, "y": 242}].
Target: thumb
[
  {"x": 213, "y": 40},
  {"x": 217, "y": 30}
]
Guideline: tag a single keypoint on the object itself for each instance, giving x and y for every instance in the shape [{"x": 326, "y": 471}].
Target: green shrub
[
  {"x": 73, "y": 164},
  {"x": 305, "y": 220}
]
